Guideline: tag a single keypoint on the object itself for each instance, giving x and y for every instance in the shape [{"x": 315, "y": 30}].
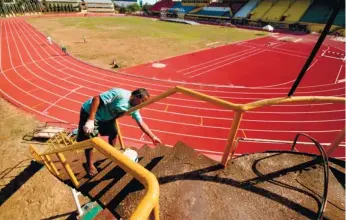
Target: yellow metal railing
[
  {"x": 240, "y": 109},
  {"x": 148, "y": 206}
]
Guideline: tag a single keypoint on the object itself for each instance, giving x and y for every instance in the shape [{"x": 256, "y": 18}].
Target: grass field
[{"x": 134, "y": 40}]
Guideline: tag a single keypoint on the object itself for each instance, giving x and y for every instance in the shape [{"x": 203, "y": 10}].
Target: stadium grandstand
[
  {"x": 73, "y": 2},
  {"x": 317, "y": 15},
  {"x": 213, "y": 12},
  {"x": 261, "y": 10},
  {"x": 246, "y": 9},
  {"x": 318, "y": 12},
  {"x": 297, "y": 15},
  {"x": 99, "y": 6},
  {"x": 340, "y": 18},
  {"x": 186, "y": 7},
  {"x": 236, "y": 5},
  {"x": 161, "y": 4},
  {"x": 276, "y": 12},
  {"x": 296, "y": 10}
]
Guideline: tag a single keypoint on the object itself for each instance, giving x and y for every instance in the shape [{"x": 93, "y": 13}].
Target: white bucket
[{"x": 131, "y": 154}]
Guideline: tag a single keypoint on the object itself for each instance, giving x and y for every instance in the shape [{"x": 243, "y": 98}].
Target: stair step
[{"x": 118, "y": 191}]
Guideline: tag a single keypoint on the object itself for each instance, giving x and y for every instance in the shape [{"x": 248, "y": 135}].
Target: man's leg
[
  {"x": 91, "y": 169},
  {"x": 108, "y": 129},
  {"x": 112, "y": 139}
]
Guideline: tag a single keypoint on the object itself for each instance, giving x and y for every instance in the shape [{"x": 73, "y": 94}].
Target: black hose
[{"x": 325, "y": 167}]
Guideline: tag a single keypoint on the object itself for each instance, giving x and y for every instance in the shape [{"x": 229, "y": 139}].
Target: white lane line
[
  {"x": 186, "y": 106},
  {"x": 312, "y": 65},
  {"x": 226, "y": 56},
  {"x": 27, "y": 107},
  {"x": 77, "y": 113},
  {"x": 172, "y": 97},
  {"x": 336, "y": 80},
  {"x": 33, "y": 73},
  {"x": 233, "y": 61},
  {"x": 222, "y": 61},
  {"x": 36, "y": 32},
  {"x": 53, "y": 104},
  {"x": 294, "y": 55},
  {"x": 201, "y": 108}
]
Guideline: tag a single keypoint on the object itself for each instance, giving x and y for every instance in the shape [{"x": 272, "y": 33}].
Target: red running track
[{"x": 40, "y": 79}]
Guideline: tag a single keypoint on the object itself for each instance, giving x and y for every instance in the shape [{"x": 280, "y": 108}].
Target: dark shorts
[{"x": 104, "y": 128}]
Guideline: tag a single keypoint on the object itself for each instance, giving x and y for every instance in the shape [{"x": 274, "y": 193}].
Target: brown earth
[
  {"x": 27, "y": 191},
  {"x": 278, "y": 185}
]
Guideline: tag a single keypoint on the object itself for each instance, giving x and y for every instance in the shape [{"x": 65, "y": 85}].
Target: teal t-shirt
[{"x": 113, "y": 103}]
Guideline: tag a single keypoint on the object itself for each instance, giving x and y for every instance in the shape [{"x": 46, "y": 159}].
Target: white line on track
[
  {"x": 233, "y": 61},
  {"x": 61, "y": 98},
  {"x": 222, "y": 61},
  {"x": 336, "y": 80},
  {"x": 176, "y": 98},
  {"x": 200, "y": 108},
  {"x": 312, "y": 65},
  {"x": 77, "y": 112},
  {"x": 210, "y": 61},
  {"x": 303, "y": 87},
  {"x": 165, "y": 104}
]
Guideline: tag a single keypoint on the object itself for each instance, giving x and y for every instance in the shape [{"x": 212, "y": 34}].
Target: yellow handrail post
[
  {"x": 120, "y": 137},
  {"x": 47, "y": 165},
  {"x": 50, "y": 162},
  {"x": 148, "y": 179},
  {"x": 340, "y": 137},
  {"x": 34, "y": 152},
  {"x": 68, "y": 169},
  {"x": 155, "y": 214},
  {"x": 230, "y": 140}
]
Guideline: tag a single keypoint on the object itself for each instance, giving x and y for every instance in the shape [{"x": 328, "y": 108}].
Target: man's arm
[
  {"x": 144, "y": 127},
  {"x": 89, "y": 125},
  {"x": 94, "y": 106}
]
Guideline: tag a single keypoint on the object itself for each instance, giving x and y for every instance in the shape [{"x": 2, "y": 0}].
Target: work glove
[{"x": 89, "y": 126}]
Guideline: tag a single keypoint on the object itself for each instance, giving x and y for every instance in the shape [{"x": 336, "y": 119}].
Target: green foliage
[
  {"x": 45, "y": 6},
  {"x": 146, "y": 8},
  {"x": 133, "y": 8},
  {"x": 122, "y": 10}
]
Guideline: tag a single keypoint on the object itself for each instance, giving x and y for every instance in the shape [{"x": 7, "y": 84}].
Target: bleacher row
[
  {"x": 105, "y": 6},
  {"x": 284, "y": 11}
]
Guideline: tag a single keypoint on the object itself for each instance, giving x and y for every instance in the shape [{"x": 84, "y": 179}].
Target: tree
[
  {"x": 2, "y": 9},
  {"x": 133, "y": 8},
  {"x": 45, "y": 6},
  {"x": 16, "y": 9},
  {"x": 122, "y": 10},
  {"x": 20, "y": 6},
  {"x": 146, "y": 8}
]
